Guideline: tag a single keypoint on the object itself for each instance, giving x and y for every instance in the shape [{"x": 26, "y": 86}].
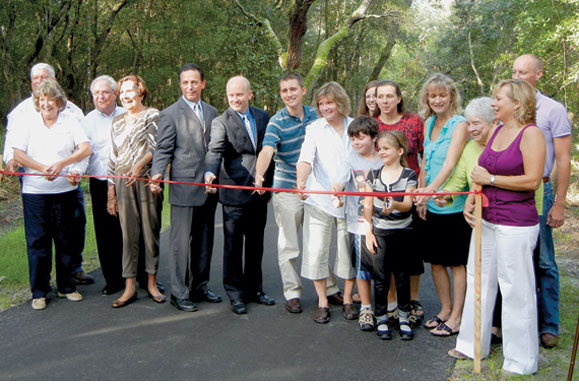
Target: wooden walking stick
[
  {"x": 477, "y": 281},
  {"x": 572, "y": 364}
]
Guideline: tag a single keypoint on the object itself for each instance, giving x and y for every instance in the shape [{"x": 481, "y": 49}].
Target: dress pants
[
  {"x": 243, "y": 229},
  {"x": 140, "y": 216},
  {"x": 108, "y": 233},
  {"x": 192, "y": 232},
  {"x": 507, "y": 257},
  {"x": 50, "y": 218},
  {"x": 80, "y": 230}
]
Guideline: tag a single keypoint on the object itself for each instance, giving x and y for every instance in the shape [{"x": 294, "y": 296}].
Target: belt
[{"x": 546, "y": 179}]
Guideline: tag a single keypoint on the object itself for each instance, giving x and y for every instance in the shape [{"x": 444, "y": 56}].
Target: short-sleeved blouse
[
  {"x": 435, "y": 155},
  {"x": 413, "y": 127}
]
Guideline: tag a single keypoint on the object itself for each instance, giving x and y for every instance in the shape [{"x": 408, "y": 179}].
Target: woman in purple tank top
[{"x": 509, "y": 171}]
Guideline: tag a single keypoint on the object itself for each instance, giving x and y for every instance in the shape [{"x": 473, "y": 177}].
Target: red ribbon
[{"x": 485, "y": 201}]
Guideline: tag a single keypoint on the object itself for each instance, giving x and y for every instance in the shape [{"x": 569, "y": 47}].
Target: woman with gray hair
[{"x": 51, "y": 144}]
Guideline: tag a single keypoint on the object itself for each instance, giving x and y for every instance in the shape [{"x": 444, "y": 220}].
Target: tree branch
[{"x": 281, "y": 54}]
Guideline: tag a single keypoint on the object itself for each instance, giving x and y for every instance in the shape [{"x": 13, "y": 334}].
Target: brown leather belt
[{"x": 546, "y": 179}]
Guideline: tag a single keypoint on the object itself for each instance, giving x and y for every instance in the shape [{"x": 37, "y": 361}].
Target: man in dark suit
[
  {"x": 183, "y": 134},
  {"x": 236, "y": 139}
]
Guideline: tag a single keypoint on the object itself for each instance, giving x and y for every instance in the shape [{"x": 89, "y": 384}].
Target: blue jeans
[
  {"x": 548, "y": 296},
  {"x": 50, "y": 218},
  {"x": 359, "y": 248}
]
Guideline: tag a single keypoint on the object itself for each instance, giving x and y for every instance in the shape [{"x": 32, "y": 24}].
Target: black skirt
[{"x": 445, "y": 239}]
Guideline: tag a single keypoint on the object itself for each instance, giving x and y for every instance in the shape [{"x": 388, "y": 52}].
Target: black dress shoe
[
  {"x": 205, "y": 296},
  {"x": 183, "y": 304},
  {"x": 82, "y": 278},
  {"x": 238, "y": 307},
  {"x": 210, "y": 296},
  {"x": 261, "y": 298},
  {"x": 265, "y": 300},
  {"x": 109, "y": 289}
]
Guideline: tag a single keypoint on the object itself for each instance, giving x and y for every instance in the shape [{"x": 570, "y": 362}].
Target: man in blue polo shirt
[{"x": 284, "y": 137}]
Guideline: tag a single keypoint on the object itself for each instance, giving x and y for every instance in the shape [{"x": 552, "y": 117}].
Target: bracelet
[{"x": 492, "y": 180}]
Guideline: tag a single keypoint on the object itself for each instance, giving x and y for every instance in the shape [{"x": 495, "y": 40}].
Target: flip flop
[
  {"x": 446, "y": 328},
  {"x": 433, "y": 319}
]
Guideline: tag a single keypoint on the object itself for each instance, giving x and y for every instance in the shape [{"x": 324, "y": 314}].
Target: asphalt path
[{"x": 90, "y": 340}]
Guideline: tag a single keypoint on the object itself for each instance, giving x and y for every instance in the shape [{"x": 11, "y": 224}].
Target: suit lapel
[
  {"x": 258, "y": 128},
  {"x": 193, "y": 122},
  {"x": 234, "y": 116}
]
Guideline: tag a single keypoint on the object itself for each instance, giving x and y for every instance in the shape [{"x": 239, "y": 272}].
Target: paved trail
[{"x": 145, "y": 341}]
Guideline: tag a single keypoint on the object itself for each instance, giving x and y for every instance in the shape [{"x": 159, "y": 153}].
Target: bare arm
[
  {"x": 304, "y": 169},
  {"x": 262, "y": 164},
  {"x": 371, "y": 242},
  {"x": 556, "y": 215},
  {"x": 458, "y": 139},
  {"x": 533, "y": 152}
]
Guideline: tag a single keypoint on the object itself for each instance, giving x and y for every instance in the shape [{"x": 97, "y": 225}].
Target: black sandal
[{"x": 433, "y": 319}]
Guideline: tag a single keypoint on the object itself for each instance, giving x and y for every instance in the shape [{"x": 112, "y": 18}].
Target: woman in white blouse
[{"x": 52, "y": 144}]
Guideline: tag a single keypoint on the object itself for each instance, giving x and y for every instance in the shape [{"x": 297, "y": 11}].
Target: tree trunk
[{"x": 297, "y": 31}]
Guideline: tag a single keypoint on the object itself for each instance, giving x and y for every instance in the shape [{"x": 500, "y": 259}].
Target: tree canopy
[{"x": 349, "y": 41}]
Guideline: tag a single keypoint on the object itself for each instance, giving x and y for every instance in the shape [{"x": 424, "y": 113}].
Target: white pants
[
  {"x": 317, "y": 241},
  {"x": 507, "y": 257}
]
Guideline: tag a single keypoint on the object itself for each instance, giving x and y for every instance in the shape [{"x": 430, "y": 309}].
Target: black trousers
[
  {"x": 390, "y": 258},
  {"x": 243, "y": 229},
  {"x": 80, "y": 231},
  {"x": 202, "y": 244},
  {"x": 108, "y": 233}
]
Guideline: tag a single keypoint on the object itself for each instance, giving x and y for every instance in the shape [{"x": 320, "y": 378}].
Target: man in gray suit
[{"x": 182, "y": 138}]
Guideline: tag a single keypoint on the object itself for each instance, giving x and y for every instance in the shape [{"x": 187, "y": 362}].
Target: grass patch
[
  {"x": 553, "y": 363},
  {"x": 14, "y": 283}
]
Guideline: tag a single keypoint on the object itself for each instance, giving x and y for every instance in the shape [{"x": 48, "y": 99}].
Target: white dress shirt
[
  {"x": 98, "y": 130},
  {"x": 326, "y": 152}
]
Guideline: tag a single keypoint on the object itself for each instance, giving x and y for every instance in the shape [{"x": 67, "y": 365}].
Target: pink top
[{"x": 507, "y": 207}]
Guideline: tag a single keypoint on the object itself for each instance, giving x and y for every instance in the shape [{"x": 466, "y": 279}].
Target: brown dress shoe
[
  {"x": 336, "y": 299},
  {"x": 350, "y": 311},
  {"x": 549, "y": 340},
  {"x": 293, "y": 305},
  {"x": 322, "y": 315}
]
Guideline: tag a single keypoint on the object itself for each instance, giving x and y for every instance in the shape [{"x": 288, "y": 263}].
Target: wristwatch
[{"x": 492, "y": 180}]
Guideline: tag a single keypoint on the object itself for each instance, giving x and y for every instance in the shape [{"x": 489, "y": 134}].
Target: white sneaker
[
  {"x": 74, "y": 296},
  {"x": 39, "y": 303}
]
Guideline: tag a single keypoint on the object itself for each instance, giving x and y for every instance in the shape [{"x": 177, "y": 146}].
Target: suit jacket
[
  {"x": 232, "y": 158},
  {"x": 181, "y": 142}
]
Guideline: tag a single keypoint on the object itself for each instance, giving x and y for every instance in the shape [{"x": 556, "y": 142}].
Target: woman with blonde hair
[
  {"x": 509, "y": 170},
  {"x": 445, "y": 136},
  {"x": 322, "y": 163}
]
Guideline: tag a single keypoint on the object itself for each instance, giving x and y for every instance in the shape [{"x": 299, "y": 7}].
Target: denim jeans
[
  {"x": 50, "y": 218},
  {"x": 548, "y": 296}
]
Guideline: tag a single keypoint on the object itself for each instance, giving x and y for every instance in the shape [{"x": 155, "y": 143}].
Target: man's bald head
[
  {"x": 239, "y": 93},
  {"x": 528, "y": 67}
]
